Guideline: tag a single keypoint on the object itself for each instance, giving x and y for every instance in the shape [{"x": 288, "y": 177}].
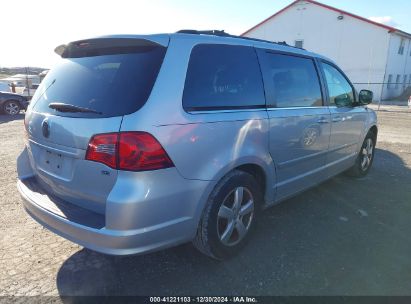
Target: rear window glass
[
  {"x": 106, "y": 82},
  {"x": 223, "y": 77}
]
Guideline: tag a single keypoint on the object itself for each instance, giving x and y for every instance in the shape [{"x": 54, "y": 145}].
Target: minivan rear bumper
[{"x": 132, "y": 225}]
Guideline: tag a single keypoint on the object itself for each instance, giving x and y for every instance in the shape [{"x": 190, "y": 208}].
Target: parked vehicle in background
[
  {"x": 22, "y": 81},
  {"x": 30, "y": 92},
  {"x": 11, "y": 103},
  {"x": 4, "y": 87},
  {"x": 18, "y": 87},
  {"x": 138, "y": 143}
]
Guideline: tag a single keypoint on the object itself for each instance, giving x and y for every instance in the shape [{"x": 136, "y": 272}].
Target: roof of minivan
[
  {"x": 163, "y": 39},
  {"x": 278, "y": 46}
]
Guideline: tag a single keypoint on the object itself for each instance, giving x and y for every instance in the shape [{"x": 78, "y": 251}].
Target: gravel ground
[{"x": 344, "y": 237}]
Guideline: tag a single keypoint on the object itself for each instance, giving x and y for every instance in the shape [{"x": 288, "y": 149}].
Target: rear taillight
[
  {"x": 132, "y": 151},
  {"x": 102, "y": 148},
  {"x": 141, "y": 151}
]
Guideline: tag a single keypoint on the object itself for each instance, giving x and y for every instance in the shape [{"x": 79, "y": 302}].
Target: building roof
[{"x": 389, "y": 28}]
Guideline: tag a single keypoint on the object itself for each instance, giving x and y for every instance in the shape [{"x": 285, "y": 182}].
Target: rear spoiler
[{"x": 109, "y": 45}]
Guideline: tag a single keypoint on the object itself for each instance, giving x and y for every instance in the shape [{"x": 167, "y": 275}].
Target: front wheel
[
  {"x": 11, "y": 107},
  {"x": 365, "y": 157},
  {"x": 229, "y": 215}
]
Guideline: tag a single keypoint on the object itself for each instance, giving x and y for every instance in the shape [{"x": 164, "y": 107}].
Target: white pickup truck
[{"x": 30, "y": 93}]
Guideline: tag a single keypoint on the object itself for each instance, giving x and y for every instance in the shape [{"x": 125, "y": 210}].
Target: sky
[{"x": 32, "y": 29}]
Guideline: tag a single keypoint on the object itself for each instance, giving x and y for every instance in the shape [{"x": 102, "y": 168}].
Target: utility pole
[{"x": 27, "y": 81}]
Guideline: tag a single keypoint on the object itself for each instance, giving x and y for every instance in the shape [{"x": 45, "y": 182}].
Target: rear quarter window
[{"x": 223, "y": 77}]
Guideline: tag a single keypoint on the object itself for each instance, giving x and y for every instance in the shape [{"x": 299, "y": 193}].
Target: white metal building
[{"x": 374, "y": 56}]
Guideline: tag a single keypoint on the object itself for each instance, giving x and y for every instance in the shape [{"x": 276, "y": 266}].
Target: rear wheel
[
  {"x": 365, "y": 157},
  {"x": 11, "y": 107},
  {"x": 229, "y": 215}
]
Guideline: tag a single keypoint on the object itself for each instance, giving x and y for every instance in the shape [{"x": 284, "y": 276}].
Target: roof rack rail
[
  {"x": 208, "y": 32},
  {"x": 222, "y": 33}
]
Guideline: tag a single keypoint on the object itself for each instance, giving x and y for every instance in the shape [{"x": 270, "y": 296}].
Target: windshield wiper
[{"x": 64, "y": 107}]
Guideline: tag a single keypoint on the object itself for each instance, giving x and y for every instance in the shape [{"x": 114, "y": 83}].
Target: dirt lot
[{"x": 345, "y": 237}]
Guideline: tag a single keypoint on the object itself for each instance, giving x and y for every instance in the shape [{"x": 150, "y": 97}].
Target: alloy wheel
[
  {"x": 367, "y": 154},
  {"x": 235, "y": 216},
  {"x": 12, "y": 108}
]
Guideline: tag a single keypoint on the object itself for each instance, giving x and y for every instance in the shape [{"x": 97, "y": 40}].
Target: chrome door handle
[
  {"x": 336, "y": 119},
  {"x": 323, "y": 120}
]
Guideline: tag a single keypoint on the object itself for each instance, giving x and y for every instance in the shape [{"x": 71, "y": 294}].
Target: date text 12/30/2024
[{"x": 203, "y": 300}]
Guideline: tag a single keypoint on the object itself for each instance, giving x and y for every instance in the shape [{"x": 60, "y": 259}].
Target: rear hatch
[{"x": 97, "y": 82}]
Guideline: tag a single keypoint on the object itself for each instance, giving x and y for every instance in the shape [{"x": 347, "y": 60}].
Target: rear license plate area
[{"x": 52, "y": 161}]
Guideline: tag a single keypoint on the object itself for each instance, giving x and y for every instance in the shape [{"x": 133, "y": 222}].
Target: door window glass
[
  {"x": 339, "y": 89},
  {"x": 291, "y": 81}
]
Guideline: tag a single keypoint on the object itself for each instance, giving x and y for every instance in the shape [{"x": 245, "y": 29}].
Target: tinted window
[
  {"x": 110, "y": 83},
  {"x": 397, "y": 81},
  {"x": 339, "y": 89},
  {"x": 223, "y": 77},
  {"x": 291, "y": 81},
  {"x": 389, "y": 81}
]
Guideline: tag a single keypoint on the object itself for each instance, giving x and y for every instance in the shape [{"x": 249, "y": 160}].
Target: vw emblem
[{"x": 45, "y": 127}]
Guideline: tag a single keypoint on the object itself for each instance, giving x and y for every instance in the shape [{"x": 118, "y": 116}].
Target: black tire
[
  {"x": 213, "y": 222},
  {"x": 362, "y": 166},
  {"x": 11, "y": 107}
]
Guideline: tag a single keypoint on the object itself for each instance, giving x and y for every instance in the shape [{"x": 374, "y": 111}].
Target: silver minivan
[{"x": 138, "y": 143}]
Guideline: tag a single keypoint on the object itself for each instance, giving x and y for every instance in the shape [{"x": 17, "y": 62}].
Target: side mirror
[
  {"x": 343, "y": 100},
  {"x": 365, "y": 97}
]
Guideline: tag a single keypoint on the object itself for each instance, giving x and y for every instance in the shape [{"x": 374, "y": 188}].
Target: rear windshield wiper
[{"x": 64, "y": 107}]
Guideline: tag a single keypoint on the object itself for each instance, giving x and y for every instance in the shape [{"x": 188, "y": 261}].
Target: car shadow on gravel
[
  {"x": 345, "y": 237},
  {"x": 8, "y": 118}
]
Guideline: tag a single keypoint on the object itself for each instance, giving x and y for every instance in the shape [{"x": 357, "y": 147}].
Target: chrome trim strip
[
  {"x": 280, "y": 184},
  {"x": 295, "y": 108},
  {"x": 75, "y": 154},
  {"x": 343, "y": 146},
  {"x": 302, "y": 158},
  {"x": 225, "y": 111},
  {"x": 306, "y": 157}
]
